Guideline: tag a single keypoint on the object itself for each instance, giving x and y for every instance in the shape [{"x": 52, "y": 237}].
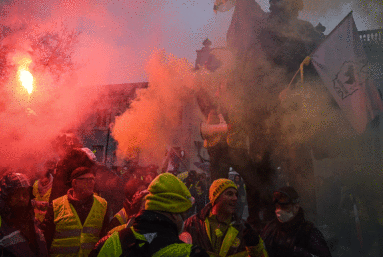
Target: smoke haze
[{"x": 116, "y": 40}]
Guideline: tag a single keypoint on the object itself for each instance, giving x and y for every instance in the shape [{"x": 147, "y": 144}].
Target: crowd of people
[{"x": 166, "y": 216}]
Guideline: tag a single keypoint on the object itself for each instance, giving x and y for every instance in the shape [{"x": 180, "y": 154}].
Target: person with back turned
[{"x": 156, "y": 229}]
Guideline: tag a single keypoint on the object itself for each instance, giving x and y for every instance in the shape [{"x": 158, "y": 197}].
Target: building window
[{"x": 98, "y": 150}]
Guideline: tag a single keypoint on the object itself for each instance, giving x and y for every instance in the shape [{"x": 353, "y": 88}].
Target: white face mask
[{"x": 284, "y": 216}]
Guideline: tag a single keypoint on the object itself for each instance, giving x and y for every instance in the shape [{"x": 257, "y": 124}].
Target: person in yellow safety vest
[
  {"x": 41, "y": 191},
  {"x": 76, "y": 221},
  {"x": 156, "y": 229},
  {"x": 121, "y": 216},
  {"x": 218, "y": 230},
  {"x": 132, "y": 188}
]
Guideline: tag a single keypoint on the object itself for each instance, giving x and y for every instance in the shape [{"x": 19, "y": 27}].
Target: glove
[{"x": 250, "y": 237}]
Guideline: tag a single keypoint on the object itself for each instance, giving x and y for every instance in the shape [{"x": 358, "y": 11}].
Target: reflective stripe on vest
[
  {"x": 71, "y": 238},
  {"x": 122, "y": 216},
  {"x": 207, "y": 227}
]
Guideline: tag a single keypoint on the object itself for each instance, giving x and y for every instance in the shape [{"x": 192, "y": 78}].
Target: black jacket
[
  {"x": 297, "y": 238},
  {"x": 148, "y": 222},
  {"x": 16, "y": 242}
]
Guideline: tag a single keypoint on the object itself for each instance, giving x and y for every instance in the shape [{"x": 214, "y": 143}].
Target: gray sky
[
  {"x": 180, "y": 26},
  {"x": 118, "y": 36}
]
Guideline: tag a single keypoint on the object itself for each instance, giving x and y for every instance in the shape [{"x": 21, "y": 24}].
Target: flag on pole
[{"x": 342, "y": 64}]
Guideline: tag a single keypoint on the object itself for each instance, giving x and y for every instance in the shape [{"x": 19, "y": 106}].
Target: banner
[{"x": 342, "y": 64}]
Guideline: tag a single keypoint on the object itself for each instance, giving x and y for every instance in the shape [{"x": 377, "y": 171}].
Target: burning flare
[
  {"x": 25, "y": 76},
  {"x": 26, "y": 79}
]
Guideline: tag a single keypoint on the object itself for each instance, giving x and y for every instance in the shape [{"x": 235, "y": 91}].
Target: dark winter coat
[
  {"x": 163, "y": 233},
  {"x": 19, "y": 234},
  {"x": 16, "y": 243},
  {"x": 298, "y": 238}
]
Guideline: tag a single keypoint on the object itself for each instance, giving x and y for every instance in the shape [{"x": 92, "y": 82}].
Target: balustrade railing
[{"x": 372, "y": 36}]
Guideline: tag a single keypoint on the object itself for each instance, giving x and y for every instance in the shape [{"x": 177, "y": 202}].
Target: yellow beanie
[
  {"x": 218, "y": 186},
  {"x": 168, "y": 193}
]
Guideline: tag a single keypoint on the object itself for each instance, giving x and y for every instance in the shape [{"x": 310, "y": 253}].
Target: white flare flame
[
  {"x": 25, "y": 76},
  {"x": 26, "y": 79}
]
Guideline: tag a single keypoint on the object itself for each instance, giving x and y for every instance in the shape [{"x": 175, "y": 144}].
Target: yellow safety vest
[
  {"x": 231, "y": 240},
  {"x": 41, "y": 202},
  {"x": 71, "y": 238},
  {"x": 122, "y": 216}
]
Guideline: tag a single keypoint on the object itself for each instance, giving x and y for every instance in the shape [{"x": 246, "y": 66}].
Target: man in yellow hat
[
  {"x": 156, "y": 229},
  {"x": 218, "y": 230}
]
